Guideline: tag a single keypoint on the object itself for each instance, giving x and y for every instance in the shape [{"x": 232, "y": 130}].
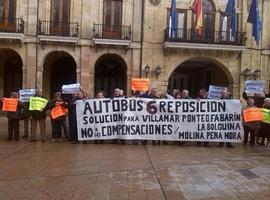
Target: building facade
[{"x": 102, "y": 44}]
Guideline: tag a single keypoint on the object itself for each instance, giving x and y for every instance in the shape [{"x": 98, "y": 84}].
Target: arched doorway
[
  {"x": 110, "y": 73},
  {"x": 59, "y": 69},
  {"x": 10, "y": 72},
  {"x": 196, "y": 74}
]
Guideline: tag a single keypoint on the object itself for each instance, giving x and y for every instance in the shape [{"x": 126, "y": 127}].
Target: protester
[
  {"x": 153, "y": 95},
  {"x": 26, "y": 119},
  {"x": 225, "y": 95},
  {"x": 264, "y": 132},
  {"x": 121, "y": 93},
  {"x": 66, "y": 98},
  {"x": 99, "y": 95},
  {"x": 86, "y": 95},
  {"x": 73, "y": 117},
  {"x": 38, "y": 117},
  {"x": 14, "y": 119},
  {"x": 175, "y": 91},
  {"x": 116, "y": 93},
  {"x": 178, "y": 95},
  {"x": 137, "y": 94},
  {"x": 202, "y": 94},
  {"x": 258, "y": 99},
  {"x": 185, "y": 94},
  {"x": 58, "y": 122},
  {"x": 163, "y": 96},
  {"x": 250, "y": 127}
]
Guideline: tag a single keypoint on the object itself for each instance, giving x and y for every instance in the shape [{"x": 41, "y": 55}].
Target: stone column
[{"x": 85, "y": 77}]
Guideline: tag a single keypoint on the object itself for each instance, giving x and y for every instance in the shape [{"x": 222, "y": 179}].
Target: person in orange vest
[
  {"x": 14, "y": 119},
  {"x": 250, "y": 127},
  {"x": 57, "y": 121}
]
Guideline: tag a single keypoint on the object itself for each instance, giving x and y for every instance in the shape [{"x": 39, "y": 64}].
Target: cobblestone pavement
[{"x": 34, "y": 171}]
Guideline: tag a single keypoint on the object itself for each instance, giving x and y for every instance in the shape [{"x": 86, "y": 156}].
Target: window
[
  {"x": 60, "y": 10},
  {"x": 112, "y": 18},
  {"x": 208, "y": 30},
  {"x": 1, "y": 10},
  {"x": 8, "y": 14},
  {"x": 113, "y": 12},
  {"x": 208, "y": 19},
  {"x": 226, "y": 33},
  {"x": 181, "y": 22}
]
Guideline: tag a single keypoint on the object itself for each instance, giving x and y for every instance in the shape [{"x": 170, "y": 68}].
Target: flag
[
  {"x": 172, "y": 23},
  {"x": 255, "y": 20},
  {"x": 231, "y": 12},
  {"x": 197, "y": 9}
]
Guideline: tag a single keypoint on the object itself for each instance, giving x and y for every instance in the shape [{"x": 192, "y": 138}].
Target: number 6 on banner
[{"x": 151, "y": 108}]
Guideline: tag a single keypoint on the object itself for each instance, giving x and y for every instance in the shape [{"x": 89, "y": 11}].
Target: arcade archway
[
  {"x": 110, "y": 73},
  {"x": 196, "y": 74},
  {"x": 59, "y": 69},
  {"x": 11, "y": 75}
]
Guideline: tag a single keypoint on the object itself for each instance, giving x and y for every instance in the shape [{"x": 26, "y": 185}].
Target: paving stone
[{"x": 36, "y": 171}]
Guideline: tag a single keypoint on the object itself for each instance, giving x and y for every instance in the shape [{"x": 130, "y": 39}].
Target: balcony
[
  {"x": 111, "y": 34},
  {"x": 216, "y": 40},
  {"x": 11, "y": 28},
  {"x": 58, "y": 31}
]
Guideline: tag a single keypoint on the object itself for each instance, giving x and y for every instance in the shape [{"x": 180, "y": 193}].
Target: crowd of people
[{"x": 257, "y": 131}]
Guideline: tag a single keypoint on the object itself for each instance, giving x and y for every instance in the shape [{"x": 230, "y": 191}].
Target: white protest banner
[
  {"x": 71, "y": 88},
  {"x": 147, "y": 119},
  {"x": 214, "y": 92},
  {"x": 254, "y": 86},
  {"x": 25, "y": 94}
]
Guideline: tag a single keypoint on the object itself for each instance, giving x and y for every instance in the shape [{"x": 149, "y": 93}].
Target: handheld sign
[
  {"x": 214, "y": 92},
  {"x": 252, "y": 115},
  {"x": 140, "y": 84},
  {"x": 71, "y": 88},
  {"x": 58, "y": 111},
  {"x": 10, "y": 104},
  {"x": 266, "y": 115},
  {"x": 254, "y": 86},
  {"x": 37, "y": 103},
  {"x": 26, "y": 94}
]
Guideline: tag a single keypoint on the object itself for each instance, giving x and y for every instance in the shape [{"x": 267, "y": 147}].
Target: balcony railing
[
  {"x": 117, "y": 32},
  {"x": 207, "y": 37},
  {"x": 62, "y": 29},
  {"x": 11, "y": 25}
]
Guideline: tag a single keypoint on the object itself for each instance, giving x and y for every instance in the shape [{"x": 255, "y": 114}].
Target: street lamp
[
  {"x": 158, "y": 71},
  {"x": 257, "y": 73},
  {"x": 247, "y": 72}
]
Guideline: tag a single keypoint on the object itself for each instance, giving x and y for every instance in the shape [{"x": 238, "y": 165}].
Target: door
[
  {"x": 60, "y": 17},
  {"x": 112, "y": 19},
  {"x": 7, "y": 15}
]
